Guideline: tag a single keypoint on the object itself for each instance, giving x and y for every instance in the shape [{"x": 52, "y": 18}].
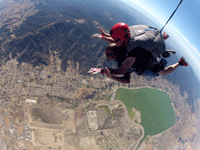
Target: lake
[{"x": 157, "y": 113}]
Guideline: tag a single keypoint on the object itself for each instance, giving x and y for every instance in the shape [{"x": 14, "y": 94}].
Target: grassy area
[
  {"x": 106, "y": 108},
  {"x": 131, "y": 114},
  {"x": 31, "y": 80},
  {"x": 23, "y": 85},
  {"x": 119, "y": 107},
  {"x": 87, "y": 86}
]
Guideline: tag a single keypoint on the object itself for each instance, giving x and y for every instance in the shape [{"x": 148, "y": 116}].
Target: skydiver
[
  {"x": 136, "y": 36},
  {"x": 141, "y": 42},
  {"x": 135, "y": 62}
]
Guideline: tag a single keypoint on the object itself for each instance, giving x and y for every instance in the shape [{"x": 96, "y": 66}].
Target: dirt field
[
  {"x": 52, "y": 139},
  {"x": 20, "y": 130},
  {"x": 48, "y": 115},
  {"x": 30, "y": 145},
  {"x": 18, "y": 117}
]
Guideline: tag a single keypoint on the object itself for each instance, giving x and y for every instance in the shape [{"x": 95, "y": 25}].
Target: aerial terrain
[{"x": 47, "y": 99}]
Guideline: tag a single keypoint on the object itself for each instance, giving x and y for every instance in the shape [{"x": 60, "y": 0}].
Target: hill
[{"x": 46, "y": 27}]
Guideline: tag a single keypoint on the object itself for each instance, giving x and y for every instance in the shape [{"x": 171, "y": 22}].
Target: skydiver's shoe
[
  {"x": 182, "y": 62},
  {"x": 168, "y": 53}
]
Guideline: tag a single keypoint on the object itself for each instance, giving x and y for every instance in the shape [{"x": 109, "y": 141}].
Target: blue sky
[{"x": 184, "y": 27}]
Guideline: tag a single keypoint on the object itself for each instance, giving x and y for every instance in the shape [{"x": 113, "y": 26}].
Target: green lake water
[{"x": 157, "y": 113}]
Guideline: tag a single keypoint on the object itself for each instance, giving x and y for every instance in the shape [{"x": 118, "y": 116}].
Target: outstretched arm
[
  {"x": 108, "y": 39},
  {"x": 103, "y": 33},
  {"x": 105, "y": 36},
  {"x": 129, "y": 61},
  {"x": 124, "y": 79}
]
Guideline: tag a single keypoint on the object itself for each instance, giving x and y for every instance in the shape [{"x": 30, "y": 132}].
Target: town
[{"x": 28, "y": 92}]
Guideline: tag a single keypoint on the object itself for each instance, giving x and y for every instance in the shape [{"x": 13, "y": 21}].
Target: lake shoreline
[
  {"x": 103, "y": 102},
  {"x": 169, "y": 107}
]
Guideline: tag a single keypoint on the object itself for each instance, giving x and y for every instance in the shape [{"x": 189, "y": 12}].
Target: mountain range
[{"x": 32, "y": 30}]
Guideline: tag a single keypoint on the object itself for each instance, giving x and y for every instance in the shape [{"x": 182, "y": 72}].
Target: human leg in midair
[{"x": 173, "y": 67}]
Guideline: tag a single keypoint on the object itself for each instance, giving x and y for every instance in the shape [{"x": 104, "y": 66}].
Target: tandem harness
[{"x": 149, "y": 39}]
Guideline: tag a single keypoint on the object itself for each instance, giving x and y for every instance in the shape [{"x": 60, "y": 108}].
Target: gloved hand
[
  {"x": 96, "y": 36},
  {"x": 96, "y": 70}
]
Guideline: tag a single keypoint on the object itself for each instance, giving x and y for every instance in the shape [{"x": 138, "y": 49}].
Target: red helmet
[{"x": 120, "y": 31}]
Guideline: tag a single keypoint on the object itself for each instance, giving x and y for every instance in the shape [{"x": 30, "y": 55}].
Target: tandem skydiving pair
[{"x": 139, "y": 48}]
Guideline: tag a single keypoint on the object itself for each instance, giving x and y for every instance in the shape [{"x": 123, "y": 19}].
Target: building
[{"x": 31, "y": 101}]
